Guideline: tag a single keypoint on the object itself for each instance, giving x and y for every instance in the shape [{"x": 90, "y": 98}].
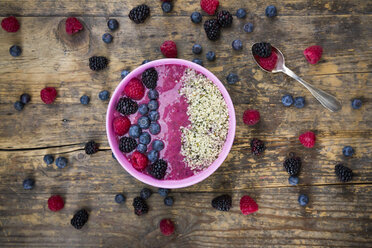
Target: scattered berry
[
  {"x": 292, "y": 165},
  {"x": 61, "y": 162},
  {"x": 10, "y": 24},
  {"x": 307, "y": 139},
  {"x": 166, "y": 227},
  {"x": 120, "y": 198},
  {"x": 145, "y": 193},
  {"x": 84, "y": 100},
  {"x": 270, "y": 11},
  {"x": 166, "y": 7},
  {"x": 135, "y": 131},
  {"x": 73, "y": 25},
  {"x": 107, "y": 38},
  {"x": 121, "y": 125},
  {"x": 48, "y": 159},
  {"x": 113, "y": 155},
  {"x": 158, "y": 169},
  {"x": 145, "y": 138},
  {"x": 153, "y": 94},
  {"x": 303, "y": 200},
  {"x": 126, "y": 106},
  {"x": 196, "y": 17},
  {"x": 154, "y": 128},
  {"x": 104, "y": 95},
  {"x": 134, "y": 89},
  {"x": 248, "y": 205},
  {"x": 113, "y": 24},
  {"x": 197, "y": 49},
  {"x": 158, "y": 145},
  {"x": 211, "y": 56},
  {"x": 348, "y": 151},
  {"x": 222, "y": 202},
  {"x": 153, "y": 156},
  {"x": 168, "y": 201},
  {"x": 150, "y": 78},
  {"x": 251, "y": 117},
  {"x": 153, "y": 105},
  {"x": 299, "y": 102},
  {"x": 287, "y": 100},
  {"x": 343, "y": 173},
  {"x": 91, "y": 147},
  {"x": 55, "y": 203},
  {"x": 25, "y": 98},
  {"x": 79, "y": 219},
  {"x": 97, "y": 63},
  {"x": 262, "y": 49},
  {"x": 142, "y": 148},
  {"x": 257, "y": 146},
  {"x": 248, "y": 27},
  {"x": 268, "y": 63},
  {"x": 127, "y": 144},
  {"x": 15, "y": 50},
  {"x": 139, "y": 161},
  {"x": 356, "y": 103},
  {"x": 124, "y": 73},
  {"x": 140, "y": 206},
  {"x": 144, "y": 122},
  {"x": 313, "y": 54},
  {"x": 139, "y": 13},
  {"x": 241, "y": 13},
  {"x": 154, "y": 115},
  {"x": 224, "y": 18},
  {"x": 198, "y": 61},
  {"x": 145, "y": 61},
  {"x": 28, "y": 183},
  {"x": 169, "y": 49},
  {"x": 293, "y": 180},
  {"x": 209, "y": 6},
  {"x": 48, "y": 95},
  {"x": 163, "y": 192},
  {"x": 18, "y": 105},
  {"x": 232, "y": 78},
  {"x": 212, "y": 29},
  {"x": 143, "y": 109},
  {"x": 237, "y": 45}
]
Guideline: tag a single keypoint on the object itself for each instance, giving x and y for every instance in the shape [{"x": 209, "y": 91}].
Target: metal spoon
[{"x": 328, "y": 101}]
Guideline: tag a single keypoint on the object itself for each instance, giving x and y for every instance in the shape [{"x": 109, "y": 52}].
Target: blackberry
[
  {"x": 80, "y": 218},
  {"x": 139, "y": 13},
  {"x": 145, "y": 193},
  {"x": 150, "y": 78},
  {"x": 158, "y": 169},
  {"x": 140, "y": 206},
  {"x": 343, "y": 173},
  {"x": 262, "y": 49},
  {"x": 212, "y": 29},
  {"x": 222, "y": 202},
  {"x": 126, "y": 106},
  {"x": 91, "y": 147},
  {"x": 224, "y": 18},
  {"x": 257, "y": 146},
  {"x": 127, "y": 144},
  {"x": 97, "y": 63},
  {"x": 292, "y": 165}
]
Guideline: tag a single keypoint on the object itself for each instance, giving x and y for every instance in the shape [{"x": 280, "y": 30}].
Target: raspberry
[
  {"x": 268, "y": 63},
  {"x": 169, "y": 49},
  {"x": 212, "y": 29},
  {"x": 248, "y": 205},
  {"x": 251, "y": 117},
  {"x": 10, "y": 24},
  {"x": 139, "y": 161},
  {"x": 343, "y": 173},
  {"x": 313, "y": 54},
  {"x": 140, "y": 206},
  {"x": 126, "y": 106},
  {"x": 134, "y": 89},
  {"x": 209, "y": 6},
  {"x": 262, "y": 49},
  {"x": 307, "y": 139},
  {"x": 73, "y": 25},
  {"x": 139, "y": 13},
  {"x": 127, "y": 144},
  {"x": 224, "y": 18},
  {"x": 55, "y": 203},
  {"x": 222, "y": 202},
  {"x": 48, "y": 95},
  {"x": 121, "y": 125},
  {"x": 166, "y": 227},
  {"x": 257, "y": 146},
  {"x": 91, "y": 147},
  {"x": 158, "y": 169},
  {"x": 150, "y": 78},
  {"x": 79, "y": 219}
]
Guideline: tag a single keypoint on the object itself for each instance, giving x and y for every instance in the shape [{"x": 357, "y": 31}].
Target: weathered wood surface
[{"x": 338, "y": 215}]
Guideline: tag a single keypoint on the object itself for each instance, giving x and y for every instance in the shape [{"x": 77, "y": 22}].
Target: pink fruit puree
[{"x": 172, "y": 110}]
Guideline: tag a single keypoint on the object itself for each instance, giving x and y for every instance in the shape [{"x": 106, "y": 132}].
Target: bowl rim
[{"x": 170, "y": 184}]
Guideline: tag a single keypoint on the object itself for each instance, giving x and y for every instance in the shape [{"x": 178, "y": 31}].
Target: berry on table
[
  {"x": 55, "y": 203},
  {"x": 10, "y": 24},
  {"x": 237, "y": 45},
  {"x": 166, "y": 227},
  {"x": 145, "y": 193},
  {"x": 209, "y": 6},
  {"x": 28, "y": 183},
  {"x": 158, "y": 145},
  {"x": 169, "y": 49},
  {"x": 313, "y": 54},
  {"x": 145, "y": 138},
  {"x": 135, "y": 131},
  {"x": 97, "y": 63},
  {"x": 79, "y": 219},
  {"x": 144, "y": 122},
  {"x": 248, "y": 27},
  {"x": 158, "y": 169},
  {"x": 163, "y": 192},
  {"x": 224, "y": 18},
  {"x": 348, "y": 151},
  {"x": 168, "y": 201},
  {"x": 127, "y": 144},
  {"x": 211, "y": 56},
  {"x": 212, "y": 29},
  {"x": 257, "y": 146},
  {"x": 126, "y": 106},
  {"x": 166, "y": 7},
  {"x": 15, "y": 50},
  {"x": 154, "y": 115},
  {"x": 140, "y": 206},
  {"x": 262, "y": 49},
  {"x": 293, "y": 180},
  {"x": 343, "y": 173},
  {"x": 232, "y": 78},
  {"x": 25, "y": 98},
  {"x": 248, "y": 205},
  {"x": 241, "y": 13},
  {"x": 356, "y": 103},
  {"x": 153, "y": 105},
  {"x": 150, "y": 78},
  {"x": 120, "y": 198},
  {"x": 154, "y": 128},
  {"x": 145, "y": 61},
  {"x": 287, "y": 100},
  {"x": 139, "y": 14},
  {"x": 134, "y": 89},
  {"x": 121, "y": 125},
  {"x": 299, "y": 102},
  {"x": 307, "y": 139},
  {"x": 139, "y": 161},
  {"x": 107, "y": 38},
  {"x": 143, "y": 109},
  {"x": 91, "y": 147},
  {"x": 18, "y": 105},
  {"x": 104, "y": 95},
  {"x": 251, "y": 117},
  {"x": 303, "y": 200},
  {"x": 113, "y": 24},
  {"x": 48, "y": 159},
  {"x": 73, "y": 25},
  {"x": 84, "y": 99},
  {"x": 292, "y": 165},
  {"x": 197, "y": 49},
  {"x": 196, "y": 17},
  {"x": 61, "y": 162},
  {"x": 153, "y": 94},
  {"x": 48, "y": 95},
  {"x": 198, "y": 61},
  {"x": 222, "y": 202},
  {"x": 124, "y": 73},
  {"x": 142, "y": 148},
  {"x": 153, "y": 156},
  {"x": 270, "y": 11}
]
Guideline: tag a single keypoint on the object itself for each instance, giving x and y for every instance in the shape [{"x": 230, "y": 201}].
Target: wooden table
[{"x": 338, "y": 215}]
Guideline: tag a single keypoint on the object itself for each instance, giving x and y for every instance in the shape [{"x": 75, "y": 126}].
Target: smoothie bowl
[{"x": 170, "y": 123}]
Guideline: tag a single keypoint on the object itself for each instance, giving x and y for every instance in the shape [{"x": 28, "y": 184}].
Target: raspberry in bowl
[{"x": 170, "y": 123}]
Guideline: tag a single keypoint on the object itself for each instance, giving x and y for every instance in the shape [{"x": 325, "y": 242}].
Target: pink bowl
[{"x": 169, "y": 184}]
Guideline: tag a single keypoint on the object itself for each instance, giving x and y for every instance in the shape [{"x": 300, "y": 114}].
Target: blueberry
[
  {"x": 348, "y": 151},
  {"x": 154, "y": 115},
  {"x": 198, "y": 61},
  {"x": 211, "y": 56},
  {"x": 153, "y": 94},
  {"x": 113, "y": 155},
  {"x": 163, "y": 192},
  {"x": 48, "y": 159},
  {"x": 270, "y": 11},
  {"x": 303, "y": 200},
  {"x": 143, "y": 109},
  {"x": 145, "y": 193},
  {"x": 293, "y": 180},
  {"x": 28, "y": 183},
  {"x": 158, "y": 145},
  {"x": 142, "y": 148},
  {"x": 107, "y": 38},
  {"x": 356, "y": 103},
  {"x": 168, "y": 201},
  {"x": 237, "y": 45},
  {"x": 120, "y": 198},
  {"x": 248, "y": 27},
  {"x": 15, "y": 50},
  {"x": 153, "y": 156},
  {"x": 18, "y": 105},
  {"x": 145, "y": 61},
  {"x": 25, "y": 98},
  {"x": 84, "y": 99},
  {"x": 61, "y": 162},
  {"x": 154, "y": 128},
  {"x": 197, "y": 49},
  {"x": 287, "y": 100},
  {"x": 299, "y": 102},
  {"x": 196, "y": 17},
  {"x": 144, "y": 122},
  {"x": 241, "y": 13},
  {"x": 104, "y": 95},
  {"x": 166, "y": 7},
  {"x": 145, "y": 138},
  {"x": 124, "y": 73},
  {"x": 153, "y": 105},
  {"x": 232, "y": 78},
  {"x": 135, "y": 131},
  {"x": 112, "y": 24}
]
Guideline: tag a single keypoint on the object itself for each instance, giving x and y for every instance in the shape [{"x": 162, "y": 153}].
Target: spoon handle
[{"x": 327, "y": 100}]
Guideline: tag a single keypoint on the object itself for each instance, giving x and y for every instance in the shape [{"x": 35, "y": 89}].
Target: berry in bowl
[{"x": 170, "y": 123}]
